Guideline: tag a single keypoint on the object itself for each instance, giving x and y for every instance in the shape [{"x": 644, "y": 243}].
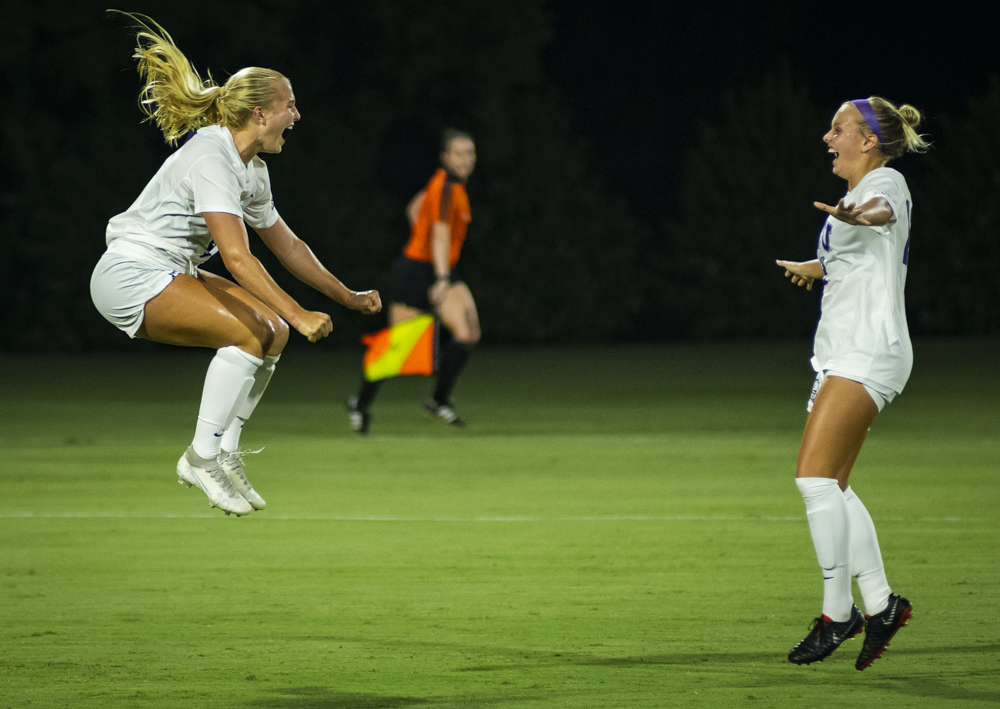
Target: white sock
[
  {"x": 231, "y": 439},
  {"x": 866, "y": 558},
  {"x": 829, "y": 524},
  {"x": 227, "y": 382}
]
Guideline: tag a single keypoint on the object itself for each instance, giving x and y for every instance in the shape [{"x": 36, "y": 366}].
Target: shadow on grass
[
  {"x": 927, "y": 687},
  {"x": 679, "y": 658},
  {"x": 326, "y": 698},
  {"x": 977, "y": 649},
  {"x": 878, "y": 678},
  {"x": 767, "y": 658}
]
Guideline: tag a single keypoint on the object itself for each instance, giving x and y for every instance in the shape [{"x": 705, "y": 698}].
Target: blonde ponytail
[
  {"x": 178, "y": 100},
  {"x": 899, "y": 128},
  {"x": 915, "y": 143}
]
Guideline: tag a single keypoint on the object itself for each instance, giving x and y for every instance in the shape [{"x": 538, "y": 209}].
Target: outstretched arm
[
  {"x": 295, "y": 255},
  {"x": 874, "y": 212},
  {"x": 802, "y": 273}
]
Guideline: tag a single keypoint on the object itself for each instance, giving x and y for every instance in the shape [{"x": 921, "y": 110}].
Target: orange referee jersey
[{"x": 445, "y": 200}]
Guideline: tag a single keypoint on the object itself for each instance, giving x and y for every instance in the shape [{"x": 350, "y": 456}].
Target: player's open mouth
[{"x": 835, "y": 154}]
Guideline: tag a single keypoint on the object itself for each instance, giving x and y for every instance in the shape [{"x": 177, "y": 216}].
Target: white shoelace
[
  {"x": 219, "y": 475},
  {"x": 239, "y": 456}
]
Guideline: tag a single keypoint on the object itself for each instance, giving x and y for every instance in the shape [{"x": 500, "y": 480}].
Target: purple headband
[{"x": 871, "y": 119}]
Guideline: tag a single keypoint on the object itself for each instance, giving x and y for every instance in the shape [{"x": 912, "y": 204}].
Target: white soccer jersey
[
  {"x": 205, "y": 175},
  {"x": 862, "y": 328}
]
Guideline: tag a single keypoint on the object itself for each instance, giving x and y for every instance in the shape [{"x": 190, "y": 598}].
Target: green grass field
[{"x": 617, "y": 527}]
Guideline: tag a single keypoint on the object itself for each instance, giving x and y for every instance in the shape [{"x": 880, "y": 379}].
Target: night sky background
[{"x": 641, "y": 164}]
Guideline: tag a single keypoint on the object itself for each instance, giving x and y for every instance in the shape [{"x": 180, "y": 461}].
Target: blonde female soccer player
[
  {"x": 148, "y": 283},
  {"x": 862, "y": 357}
]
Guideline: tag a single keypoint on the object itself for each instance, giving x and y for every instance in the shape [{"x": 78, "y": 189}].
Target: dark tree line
[
  {"x": 956, "y": 290},
  {"x": 552, "y": 256},
  {"x": 746, "y": 198}
]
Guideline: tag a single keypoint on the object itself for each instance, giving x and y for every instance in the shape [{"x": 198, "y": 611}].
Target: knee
[
  {"x": 799, "y": 474},
  {"x": 266, "y": 335},
  {"x": 463, "y": 323},
  {"x": 279, "y": 337},
  {"x": 474, "y": 336},
  {"x": 463, "y": 332},
  {"x": 251, "y": 345}
]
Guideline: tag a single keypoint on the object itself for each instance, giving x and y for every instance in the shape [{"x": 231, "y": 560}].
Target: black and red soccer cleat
[
  {"x": 881, "y": 628},
  {"x": 825, "y": 636}
]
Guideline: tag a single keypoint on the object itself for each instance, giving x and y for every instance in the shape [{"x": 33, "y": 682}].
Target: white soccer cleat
[
  {"x": 210, "y": 478},
  {"x": 232, "y": 464},
  {"x": 185, "y": 476}
]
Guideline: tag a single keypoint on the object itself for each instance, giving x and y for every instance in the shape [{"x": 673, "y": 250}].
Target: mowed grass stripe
[{"x": 261, "y": 516}]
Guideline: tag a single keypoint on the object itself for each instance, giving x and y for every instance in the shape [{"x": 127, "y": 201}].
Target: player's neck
[{"x": 866, "y": 165}]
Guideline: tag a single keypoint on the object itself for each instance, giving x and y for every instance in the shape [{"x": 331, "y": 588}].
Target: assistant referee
[{"x": 425, "y": 280}]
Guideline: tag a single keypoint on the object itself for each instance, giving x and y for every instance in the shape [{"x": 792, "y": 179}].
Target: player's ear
[{"x": 871, "y": 143}]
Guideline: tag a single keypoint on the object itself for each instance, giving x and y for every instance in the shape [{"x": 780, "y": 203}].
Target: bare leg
[
  {"x": 401, "y": 312},
  {"x": 832, "y": 439},
  {"x": 458, "y": 314},
  {"x": 210, "y": 311},
  {"x": 836, "y": 428}
]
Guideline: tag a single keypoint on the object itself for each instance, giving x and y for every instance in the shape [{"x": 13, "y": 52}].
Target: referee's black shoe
[
  {"x": 445, "y": 413},
  {"x": 825, "y": 636},
  {"x": 360, "y": 420},
  {"x": 881, "y": 627}
]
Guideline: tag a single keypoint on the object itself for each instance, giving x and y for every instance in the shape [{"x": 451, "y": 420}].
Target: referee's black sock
[
  {"x": 367, "y": 394},
  {"x": 453, "y": 360}
]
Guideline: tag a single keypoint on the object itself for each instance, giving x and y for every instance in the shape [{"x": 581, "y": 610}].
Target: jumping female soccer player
[
  {"x": 148, "y": 283},
  {"x": 424, "y": 279},
  {"x": 862, "y": 356}
]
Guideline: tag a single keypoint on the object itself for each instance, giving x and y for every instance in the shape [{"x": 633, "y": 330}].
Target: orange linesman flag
[{"x": 403, "y": 349}]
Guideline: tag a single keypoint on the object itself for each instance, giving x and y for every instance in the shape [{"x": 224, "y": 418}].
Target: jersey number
[{"x": 824, "y": 236}]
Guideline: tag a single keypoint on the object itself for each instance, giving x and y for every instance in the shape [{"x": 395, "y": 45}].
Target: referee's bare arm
[{"x": 440, "y": 256}]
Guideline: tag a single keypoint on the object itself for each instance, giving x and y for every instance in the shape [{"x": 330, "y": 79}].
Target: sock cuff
[
  {"x": 238, "y": 358},
  {"x": 816, "y": 487},
  {"x": 271, "y": 360},
  {"x": 214, "y": 426}
]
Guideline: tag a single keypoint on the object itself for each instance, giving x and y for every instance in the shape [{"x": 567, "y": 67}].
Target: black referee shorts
[{"x": 411, "y": 281}]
